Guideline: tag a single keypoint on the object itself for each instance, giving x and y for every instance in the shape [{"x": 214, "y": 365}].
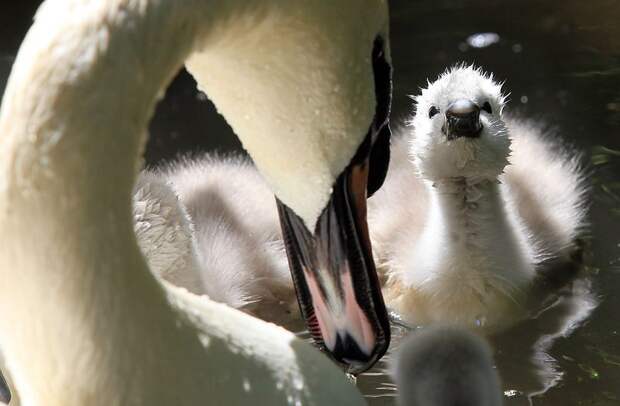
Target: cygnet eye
[
  {"x": 487, "y": 107},
  {"x": 432, "y": 111}
]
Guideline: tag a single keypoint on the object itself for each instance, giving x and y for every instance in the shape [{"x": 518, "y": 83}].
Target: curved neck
[
  {"x": 466, "y": 207},
  {"x": 464, "y": 211},
  {"x": 79, "y": 296},
  {"x": 467, "y": 221},
  {"x": 82, "y": 91}
]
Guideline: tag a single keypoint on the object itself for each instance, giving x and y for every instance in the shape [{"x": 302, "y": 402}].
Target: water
[{"x": 561, "y": 63}]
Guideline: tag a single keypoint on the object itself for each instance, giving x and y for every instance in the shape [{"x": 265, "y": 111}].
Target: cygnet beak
[
  {"x": 462, "y": 120},
  {"x": 332, "y": 266}
]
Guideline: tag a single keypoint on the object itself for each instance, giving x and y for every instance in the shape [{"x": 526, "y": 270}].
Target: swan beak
[
  {"x": 334, "y": 274},
  {"x": 332, "y": 266},
  {"x": 462, "y": 120}
]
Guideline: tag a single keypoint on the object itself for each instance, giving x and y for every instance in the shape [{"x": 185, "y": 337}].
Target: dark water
[{"x": 561, "y": 64}]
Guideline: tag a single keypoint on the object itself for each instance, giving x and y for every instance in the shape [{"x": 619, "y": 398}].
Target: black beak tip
[
  {"x": 462, "y": 120},
  {"x": 347, "y": 349},
  {"x": 348, "y": 352}
]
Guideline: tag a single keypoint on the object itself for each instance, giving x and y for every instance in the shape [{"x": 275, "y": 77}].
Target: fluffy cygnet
[
  {"x": 443, "y": 366},
  {"x": 474, "y": 209},
  {"x": 211, "y": 225}
]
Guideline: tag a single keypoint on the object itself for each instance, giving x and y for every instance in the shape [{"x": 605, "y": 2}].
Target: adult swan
[{"x": 305, "y": 85}]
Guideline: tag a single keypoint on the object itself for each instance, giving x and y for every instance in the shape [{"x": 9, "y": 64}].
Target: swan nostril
[{"x": 462, "y": 119}]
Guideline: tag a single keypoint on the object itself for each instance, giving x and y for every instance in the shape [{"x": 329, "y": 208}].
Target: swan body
[
  {"x": 474, "y": 206},
  {"x": 84, "y": 320},
  {"x": 441, "y": 366},
  {"x": 210, "y": 225}
]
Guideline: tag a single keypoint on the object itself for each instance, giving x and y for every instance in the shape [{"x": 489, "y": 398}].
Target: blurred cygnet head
[{"x": 446, "y": 366}]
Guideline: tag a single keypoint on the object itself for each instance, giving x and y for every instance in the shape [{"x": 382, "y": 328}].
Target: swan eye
[
  {"x": 432, "y": 111},
  {"x": 487, "y": 107}
]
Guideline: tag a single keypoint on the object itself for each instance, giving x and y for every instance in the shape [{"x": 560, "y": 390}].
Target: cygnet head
[
  {"x": 446, "y": 366},
  {"x": 458, "y": 129}
]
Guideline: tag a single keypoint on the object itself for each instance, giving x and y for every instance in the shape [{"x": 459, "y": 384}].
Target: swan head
[
  {"x": 458, "y": 127},
  {"x": 307, "y": 87},
  {"x": 331, "y": 258}
]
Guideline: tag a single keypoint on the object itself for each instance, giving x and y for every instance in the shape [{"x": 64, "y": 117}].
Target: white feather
[{"x": 235, "y": 254}]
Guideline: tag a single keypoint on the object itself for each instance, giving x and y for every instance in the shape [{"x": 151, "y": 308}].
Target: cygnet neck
[
  {"x": 470, "y": 227},
  {"x": 467, "y": 206}
]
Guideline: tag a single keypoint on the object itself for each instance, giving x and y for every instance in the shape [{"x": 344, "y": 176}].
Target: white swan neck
[{"x": 73, "y": 121}]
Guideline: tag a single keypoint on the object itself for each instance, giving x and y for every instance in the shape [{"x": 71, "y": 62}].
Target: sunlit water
[{"x": 561, "y": 64}]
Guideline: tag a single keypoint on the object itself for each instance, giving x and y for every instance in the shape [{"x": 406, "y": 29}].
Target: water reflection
[{"x": 522, "y": 354}]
